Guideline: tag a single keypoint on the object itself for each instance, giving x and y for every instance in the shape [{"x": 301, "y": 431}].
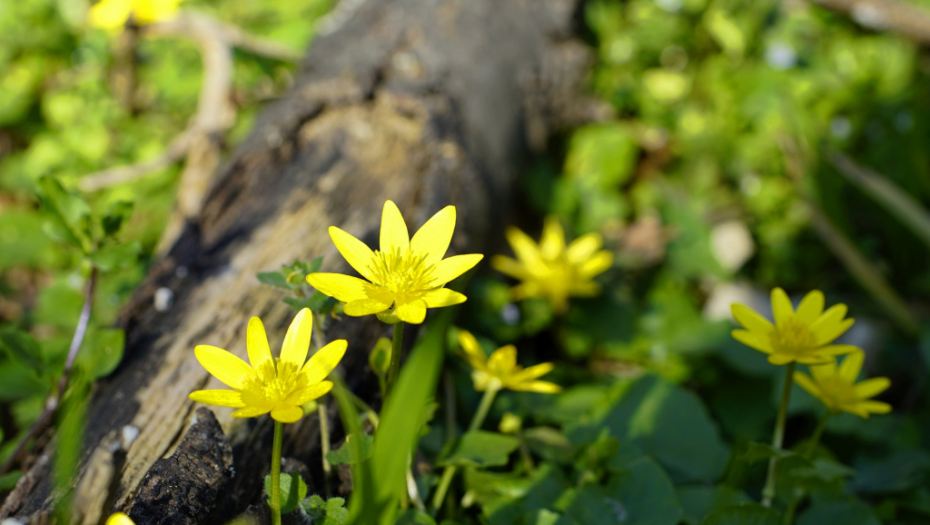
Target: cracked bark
[{"x": 427, "y": 103}]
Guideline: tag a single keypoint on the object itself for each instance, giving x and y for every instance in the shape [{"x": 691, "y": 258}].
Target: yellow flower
[
  {"x": 407, "y": 274},
  {"x": 550, "y": 270},
  {"x": 501, "y": 369},
  {"x": 803, "y": 335},
  {"x": 279, "y": 386},
  {"x": 113, "y": 14},
  {"x": 119, "y": 519},
  {"x": 836, "y": 387}
]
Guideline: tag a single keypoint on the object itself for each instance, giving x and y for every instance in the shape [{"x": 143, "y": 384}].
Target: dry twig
[{"x": 900, "y": 17}]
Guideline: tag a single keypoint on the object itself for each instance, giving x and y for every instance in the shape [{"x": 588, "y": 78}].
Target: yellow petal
[
  {"x": 824, "y": 372},
  {"x": 310, "y": 393},
  {"x": 473, "y": 351},
  {"x": 151, "y": 11},
  {"x": 502, "y": 361},
  {"x": 872, "y": 387},
  {"x": 288, "y": 414},
  {"x": 596, "y": 265},
  {"x": 526, "y": 290},
  {"x": 448, "y": 269},
  {"x": 750, "y": 319},
  {"x": 365, "y": 307},
  {"x": 526, "y": 250},
  {"x": 297, "y": 340},
  {"x": 815, "y": 359},
  {"x": 434, "y": 237},
  {"x": 552, "y": 243},
  {"x": 508, "y": 266},
  {"x": 443, "y": 297},
  {"x": 413, "y": 312},
  {"x": 834, "y": 350},
  {"x": 533, "y": 372},
  {"x": 781, "y": 306},
  {"x": 781, "y": 359},
  {"x": 851, "y": 366},
  {"x": 323, "y": 362},
  {"x": 358, "y": 255},
  {"x": 542, "y": 387},
  {"x": 343, "y": 287},
  {"x": 753, "y": 340},
  {"x": 875, "y": 407},
  {"x": 222, "y": 398},
  {"x": 394, "y": 234},
  {"x": 827, "y": 332},
  {"x": 584, "y": 247},
  {"x": 250, "y": 412},
  {"x": 119, "y": 519},
  {"x": 811, "y": 307},
  {"x": 225, "y": 366},
  {"x": 110, "y": 14},
  {"x": 833, "y": 316},
  {"x": 257, "y": 344},
  {"x": 804, "y": 381}
]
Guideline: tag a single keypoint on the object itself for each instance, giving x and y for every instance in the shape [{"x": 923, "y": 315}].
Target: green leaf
[
  {"x": 313, "y": 266},
  {"x": 744, "y": 514},
  {"x": 756, "y": 452},
  {"x": 274, "y": 279},
  {"x": 293, "y": 491},
  {"x": 23, "y": 348},
  {"x": 380, "y": 357},
  {"x": 116, "y": 256},
  {"x": 297, "y": 304},
  {"x": 320, "y": 302},
  {"x": 415, "y": 517},
  {"x": 69, "y": 215},
  {"x": 652, "y": 414},
  {"x": 481, "y": 449},
  {"x": 640, "y": 493},
  {"x": 845, "y": 512},
  {"x": 697, "y": 501},
  {"x": 115, "y": 217},
  {"x": 8, "y": 480},
  {"x": 328, "y": 512},
  {"x": 347, "y": 453},
  {"x": 102, "y": 352},
  {"x": 17, "y": 381},
  {"x": 398, "y": 431}
]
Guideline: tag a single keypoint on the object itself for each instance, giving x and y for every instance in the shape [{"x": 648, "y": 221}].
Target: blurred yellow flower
[
  {"x": 803, "y": 336},
  {"x": 501, "y": 369},
  {"x": 407, "y": 274},
  {"x": 113, "y": 14},
  {"x": 119, "y": 519},
  {"x": 279, "y": 386},
  {"x": 836, "y": 387},
  {"x": 551, "y": 270}
]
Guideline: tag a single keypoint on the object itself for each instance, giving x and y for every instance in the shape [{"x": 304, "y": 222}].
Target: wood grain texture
[{"x": 418, "y": 101}]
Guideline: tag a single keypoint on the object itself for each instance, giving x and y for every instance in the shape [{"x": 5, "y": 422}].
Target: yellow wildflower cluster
[
  {"x": 805, "y": 336},
  {"x": 279, "y": 386},
  {"x": 551, "y": 270},
  {"x": 501, "y": 369},
  {"x": 406, "y": 276}
]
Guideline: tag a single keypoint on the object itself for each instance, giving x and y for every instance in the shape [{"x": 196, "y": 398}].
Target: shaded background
[{"x": 752, "y": 145}]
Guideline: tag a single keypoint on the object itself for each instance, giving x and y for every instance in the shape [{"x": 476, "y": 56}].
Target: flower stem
[
  {"x": 798, "y": 494},
  {"x": 768, "y": 493},
  {"x": 275, "y": 495},
  {"x": 397, "y": 343},
  {"x": 321, "y": 407},
  {"x": 476, "y": 422}
]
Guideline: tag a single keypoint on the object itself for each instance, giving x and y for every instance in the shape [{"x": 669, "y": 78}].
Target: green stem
[
  {"x": 798, "y": 494},
  {"x": 476, "y": 423},
  {"x": 397, "y": 343},
  {"x": 275, "y": 502},
  {"x": 324, "y": 442},
  {"x": 768, "y": 493}
]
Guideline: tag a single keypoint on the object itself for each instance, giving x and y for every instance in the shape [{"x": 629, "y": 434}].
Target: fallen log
[{"x": 427, "y": 103}]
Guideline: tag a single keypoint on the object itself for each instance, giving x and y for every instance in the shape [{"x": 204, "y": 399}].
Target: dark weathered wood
[{"x": 425, "y": 102}]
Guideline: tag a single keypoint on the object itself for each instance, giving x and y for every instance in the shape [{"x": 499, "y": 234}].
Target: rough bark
[{"x": 425, "y": 102}]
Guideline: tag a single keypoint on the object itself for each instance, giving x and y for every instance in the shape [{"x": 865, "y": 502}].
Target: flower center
[
  {"x": 838, "y": 392},
  {"x": 403, "y": 274},
  {"x": 270, "y": 387},
  {"x": 793, "y": 337}
]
